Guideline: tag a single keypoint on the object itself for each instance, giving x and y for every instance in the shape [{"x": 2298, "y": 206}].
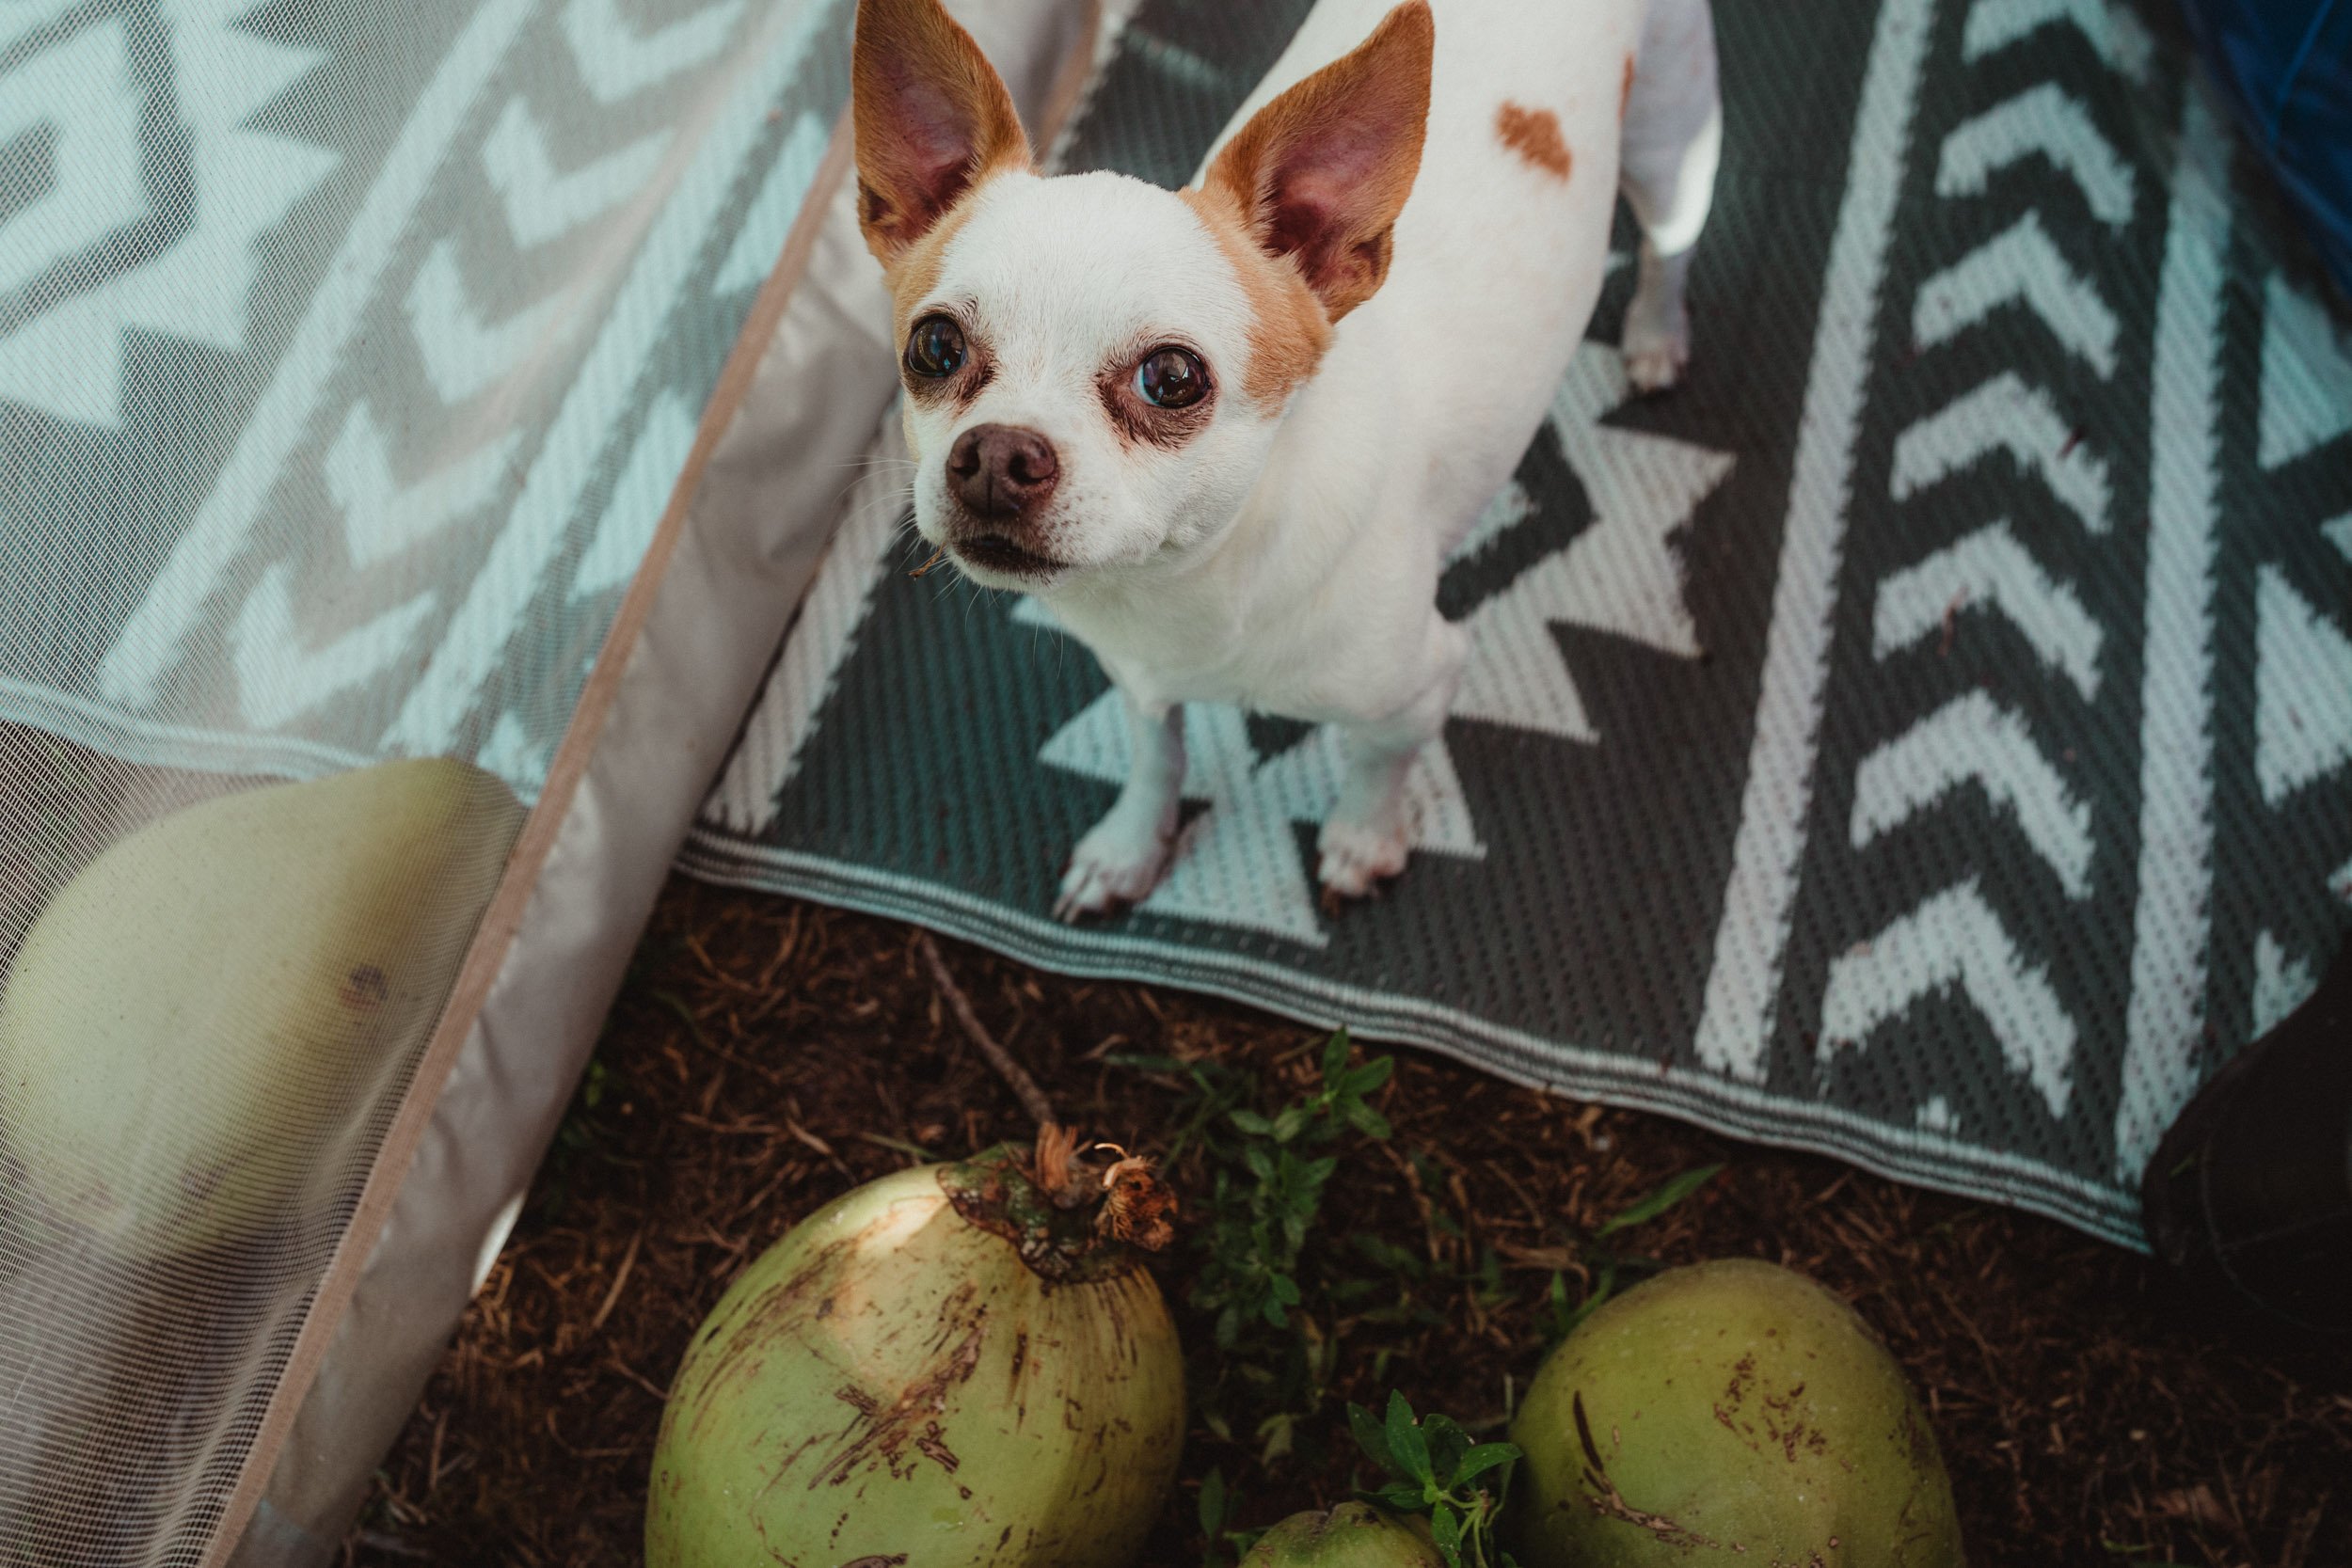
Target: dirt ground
[{"x": 767, "y": 1056}]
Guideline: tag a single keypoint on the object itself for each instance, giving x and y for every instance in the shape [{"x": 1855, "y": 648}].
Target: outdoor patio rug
[{"x": 1925, "y": 737}]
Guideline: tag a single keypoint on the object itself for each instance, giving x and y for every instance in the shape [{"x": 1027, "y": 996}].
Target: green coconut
[
  {"x": 195, "y": 1030},
  {"x": 1730, "y": 1413},
  {"x": 1353, "y": 1535},
  {"x": 940, "y": 1368}
]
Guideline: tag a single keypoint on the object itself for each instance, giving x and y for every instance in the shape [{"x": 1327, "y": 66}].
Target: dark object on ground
[
  {"x": 767, "y": 1056},
  {"x": 2252, "y": 1187},
  {"x": 2287, "y": 66}
]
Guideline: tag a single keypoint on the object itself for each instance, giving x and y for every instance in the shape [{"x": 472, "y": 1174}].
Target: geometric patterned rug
[
  {"x": 348, "y": 353},
  {"x": 1925, "y": 736}
]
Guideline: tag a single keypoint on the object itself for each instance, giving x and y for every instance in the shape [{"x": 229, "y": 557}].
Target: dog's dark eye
[
  {"x": 935, "y": 347},
  {"x": 1171, "y": 378}
]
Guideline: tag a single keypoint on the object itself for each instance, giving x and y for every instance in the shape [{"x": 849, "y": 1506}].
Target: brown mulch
[{"x": 767, "y": 1056}]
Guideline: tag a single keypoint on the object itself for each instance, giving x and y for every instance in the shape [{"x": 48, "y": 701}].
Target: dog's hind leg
[
  {"x": 1674, "y": 134},
  {"x": 1122, "y": 857}
]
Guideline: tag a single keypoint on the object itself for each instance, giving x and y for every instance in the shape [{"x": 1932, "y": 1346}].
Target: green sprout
[{"x": 1433, "y": 1469}]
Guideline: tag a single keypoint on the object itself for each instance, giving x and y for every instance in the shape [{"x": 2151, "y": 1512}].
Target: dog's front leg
[
  {"x": 1369, "y": 829},
  {"x": 1122, "y": 858}
]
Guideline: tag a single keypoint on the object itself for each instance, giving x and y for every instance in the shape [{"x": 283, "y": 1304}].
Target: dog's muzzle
[{"x": 1001, "y": 477}]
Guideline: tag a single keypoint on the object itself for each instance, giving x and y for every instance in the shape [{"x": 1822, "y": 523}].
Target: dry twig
[{"x": 1017, "y": 1077}]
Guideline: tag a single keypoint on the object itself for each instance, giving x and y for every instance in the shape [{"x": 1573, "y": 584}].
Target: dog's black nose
[{"x": 1002, "y": 471}]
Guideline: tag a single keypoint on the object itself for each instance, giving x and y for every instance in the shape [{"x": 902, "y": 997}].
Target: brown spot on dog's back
[
  {"x": 1534, "y": 135},
  {"x": 1624, "y": 93},
  {"x": 1288, "y": 329}
]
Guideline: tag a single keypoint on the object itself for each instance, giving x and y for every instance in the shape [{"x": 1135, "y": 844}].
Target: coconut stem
[
  {"x": 1135, "y": 1205},
  {"x": 1024, "y": 1086}
]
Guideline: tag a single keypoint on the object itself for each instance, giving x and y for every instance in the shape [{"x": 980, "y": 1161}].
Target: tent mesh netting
[{"x": 348, "y": 357}]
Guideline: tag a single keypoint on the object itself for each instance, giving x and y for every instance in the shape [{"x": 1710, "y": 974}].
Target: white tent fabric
[{"x": 357, "y": 371}]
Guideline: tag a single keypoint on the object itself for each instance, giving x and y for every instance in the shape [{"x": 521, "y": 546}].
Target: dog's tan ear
[
  {"x": 1320, "y": 174},
  {"x": 931, "y": 115}
]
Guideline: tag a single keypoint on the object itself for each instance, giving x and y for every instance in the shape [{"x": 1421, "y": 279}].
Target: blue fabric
[{"x": 2287, "y": 65}]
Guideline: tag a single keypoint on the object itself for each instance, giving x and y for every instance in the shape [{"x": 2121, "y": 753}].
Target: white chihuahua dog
[{"x": 1227, "y": 435}]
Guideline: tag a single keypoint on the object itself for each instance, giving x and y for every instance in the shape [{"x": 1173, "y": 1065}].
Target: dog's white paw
[
  {"x": 1111, "y": 868},
  {"x": 1657, "y": 340},
  {"x": 1357, "y": 857},
  {"x": 1656, "y": 353}
]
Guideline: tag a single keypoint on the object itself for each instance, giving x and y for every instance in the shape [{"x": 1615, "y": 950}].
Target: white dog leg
[
  {"x": 1369, "y": 831},
  {"x": 1122, "y": 858},
  {"x": 1673, "y": 135}
]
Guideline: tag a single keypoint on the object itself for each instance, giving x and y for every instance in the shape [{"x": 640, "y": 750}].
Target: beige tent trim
[
  {"x": 1006, "y": 28},
  {"x": 505, "y": 916}
]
